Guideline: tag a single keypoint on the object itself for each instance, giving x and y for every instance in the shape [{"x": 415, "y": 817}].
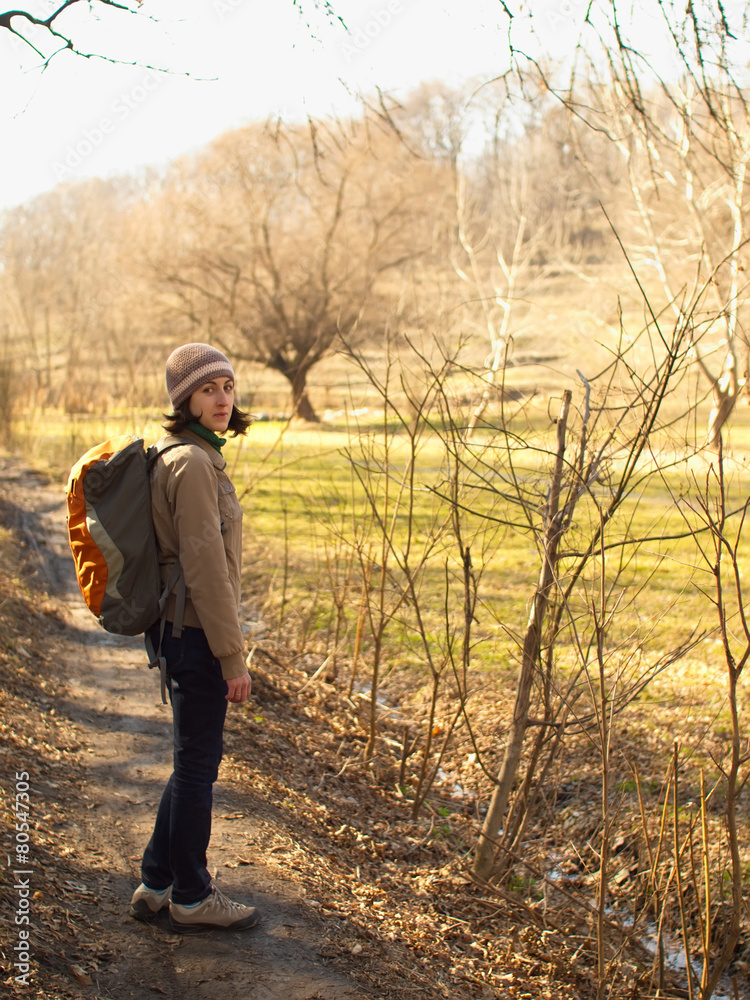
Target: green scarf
[{"x": 213, "y": 439}]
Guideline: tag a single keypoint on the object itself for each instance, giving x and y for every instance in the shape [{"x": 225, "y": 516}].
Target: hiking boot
[
  {"x": 215, "y": 911},
  {"x": 146, "y": 902}
]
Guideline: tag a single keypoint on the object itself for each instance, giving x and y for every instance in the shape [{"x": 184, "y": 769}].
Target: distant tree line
[
  {"x": 281, "y": 243},
  {"x": 520, "y": 219}
]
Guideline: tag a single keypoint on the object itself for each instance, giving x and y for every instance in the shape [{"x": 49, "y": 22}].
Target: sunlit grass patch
[
  {"x": 312, "y": 497},
  {"x": 55, "y": 441}
]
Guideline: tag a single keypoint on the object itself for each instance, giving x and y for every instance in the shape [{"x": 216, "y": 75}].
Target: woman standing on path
[{"x": 198, "y": 521}]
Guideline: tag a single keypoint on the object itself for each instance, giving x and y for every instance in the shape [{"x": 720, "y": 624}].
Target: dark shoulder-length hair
[{"x": 177, "y": 421}]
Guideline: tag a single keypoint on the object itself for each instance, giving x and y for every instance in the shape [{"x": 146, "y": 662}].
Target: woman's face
[{"x": 212, "y": 404}]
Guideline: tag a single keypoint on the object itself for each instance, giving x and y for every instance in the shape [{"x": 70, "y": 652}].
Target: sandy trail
[{"x": 123, "y": 759}]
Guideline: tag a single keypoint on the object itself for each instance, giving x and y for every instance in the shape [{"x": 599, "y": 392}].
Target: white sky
[{"x": 246, "y": 59}]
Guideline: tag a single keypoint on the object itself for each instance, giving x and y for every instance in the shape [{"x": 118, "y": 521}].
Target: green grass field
[{"x": 323, "y": 505}]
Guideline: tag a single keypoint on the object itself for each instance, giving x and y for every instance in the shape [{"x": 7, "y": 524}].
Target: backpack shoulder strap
[{"x": 164, "y": 444}]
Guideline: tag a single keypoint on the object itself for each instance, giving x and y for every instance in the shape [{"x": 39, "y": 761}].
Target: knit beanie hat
[{"x": 191, "y": 366}]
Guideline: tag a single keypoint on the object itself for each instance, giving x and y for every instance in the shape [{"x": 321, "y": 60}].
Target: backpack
[{"x": 112, "y": 539}]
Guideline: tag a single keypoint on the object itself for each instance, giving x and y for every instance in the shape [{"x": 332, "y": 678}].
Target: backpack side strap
[
  {"x": 157, "y": 659},
  {"x": 176, "y": 578}
]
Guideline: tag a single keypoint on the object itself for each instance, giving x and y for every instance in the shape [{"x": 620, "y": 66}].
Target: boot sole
[{"x": 240, "y": 925}]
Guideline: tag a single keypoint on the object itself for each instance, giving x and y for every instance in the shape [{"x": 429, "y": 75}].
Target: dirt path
[{"x": 121, "y": 754}]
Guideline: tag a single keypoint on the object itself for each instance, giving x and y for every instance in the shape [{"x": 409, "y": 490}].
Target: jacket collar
[{"x": 217, "y": 460}]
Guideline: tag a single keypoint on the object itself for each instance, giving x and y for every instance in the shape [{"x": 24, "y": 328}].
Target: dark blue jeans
[{"x": 176, "y": 853}]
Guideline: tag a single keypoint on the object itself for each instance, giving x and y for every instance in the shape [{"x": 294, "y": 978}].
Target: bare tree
[
  {"x": 718, "y": 536},
  {"x": 78, "y": 317},
  {"x": 520, "y": 223},
  {"x": 673, "y": 102},
  {"x": 610, "y": 457},
  {"x": 44, "y": 30},
  {"x": 286, "y": 239}
]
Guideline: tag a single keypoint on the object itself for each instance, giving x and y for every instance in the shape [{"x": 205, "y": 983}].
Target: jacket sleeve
[{"x": 192, "y": 493}]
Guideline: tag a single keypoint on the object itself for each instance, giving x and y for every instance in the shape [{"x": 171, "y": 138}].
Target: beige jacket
[{"x": 198, "y": 520}]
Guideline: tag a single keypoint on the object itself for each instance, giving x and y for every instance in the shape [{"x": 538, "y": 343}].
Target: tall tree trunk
[
  {"x": 304, "y": 410},
  {"x": 484, "y": 858},
  {"x": 301, "y": 405},
  {"x": 725, "y": 393}
]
